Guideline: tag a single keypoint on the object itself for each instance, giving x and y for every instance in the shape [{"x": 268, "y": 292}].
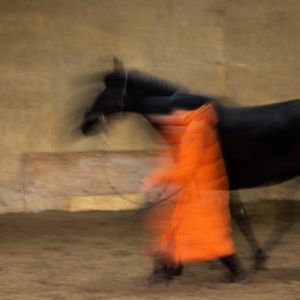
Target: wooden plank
[
  {"x": 52, "y": 179},
  {"x": 126, "y": 201}
]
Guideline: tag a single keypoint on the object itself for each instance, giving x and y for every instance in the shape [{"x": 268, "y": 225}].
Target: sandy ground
[{"x": 98, "y": 255}]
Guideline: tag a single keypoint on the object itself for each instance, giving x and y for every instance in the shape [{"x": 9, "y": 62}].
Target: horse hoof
[{"x": 260, "y": 258}]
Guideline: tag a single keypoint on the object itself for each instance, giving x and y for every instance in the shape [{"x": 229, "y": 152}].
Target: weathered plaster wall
[{"x": 52, "y": 51}]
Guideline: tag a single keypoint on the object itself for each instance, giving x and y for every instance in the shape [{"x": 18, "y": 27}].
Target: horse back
[{"x": 260, "y": 143}]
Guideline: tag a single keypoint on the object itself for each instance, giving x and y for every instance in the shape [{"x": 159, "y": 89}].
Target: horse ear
[{"x": 118, "y": 64}]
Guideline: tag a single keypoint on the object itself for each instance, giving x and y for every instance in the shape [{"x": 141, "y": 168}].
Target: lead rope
[
  {"x": 105, "y": 167},
  {"x": 147, "y": 205}
]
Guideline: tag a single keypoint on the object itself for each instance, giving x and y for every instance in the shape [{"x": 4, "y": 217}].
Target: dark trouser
[
  {"x": 232, "y": 262},
  {"x": 164, "y": 270}
]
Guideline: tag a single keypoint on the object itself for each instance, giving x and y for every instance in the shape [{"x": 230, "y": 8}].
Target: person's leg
[{"x": 239, "y": 274}]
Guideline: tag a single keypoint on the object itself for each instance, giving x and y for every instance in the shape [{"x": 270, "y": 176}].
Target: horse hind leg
[
  {"x": 284, "y": 219},
  {"x": 241, "y": 218}
]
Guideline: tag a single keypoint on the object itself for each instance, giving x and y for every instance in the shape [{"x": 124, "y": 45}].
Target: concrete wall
[{"x": 52, "y": 50}]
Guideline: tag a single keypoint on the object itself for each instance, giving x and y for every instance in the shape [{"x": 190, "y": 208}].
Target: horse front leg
[{"x": 241, "y": 218}]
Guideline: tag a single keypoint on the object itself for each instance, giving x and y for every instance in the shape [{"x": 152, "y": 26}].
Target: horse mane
[
  {"x": 147, "y": 86},
  {"x": 144, "y": 83}
]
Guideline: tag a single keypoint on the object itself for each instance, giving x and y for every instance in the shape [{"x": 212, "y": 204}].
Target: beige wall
[{"x": 51, "y": 49}]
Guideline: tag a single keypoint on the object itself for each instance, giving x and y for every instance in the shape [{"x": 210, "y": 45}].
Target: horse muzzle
[{"x": 93, "y": 125}]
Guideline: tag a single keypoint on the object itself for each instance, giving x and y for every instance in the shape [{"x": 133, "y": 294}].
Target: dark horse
[{"x": 259, "y": 143}]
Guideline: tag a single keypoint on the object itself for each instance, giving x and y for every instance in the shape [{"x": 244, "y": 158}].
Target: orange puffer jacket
[{"x": 193, "y": 225}]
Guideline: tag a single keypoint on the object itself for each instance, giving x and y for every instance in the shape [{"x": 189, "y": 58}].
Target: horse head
[
  {"x": 137, "y": 92},
  {"x": 110, "y": 100}
]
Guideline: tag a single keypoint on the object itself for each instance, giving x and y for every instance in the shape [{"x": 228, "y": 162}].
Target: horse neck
[
  {"x": 154, "y": 105},
  {"x": 166, "y": 104}
]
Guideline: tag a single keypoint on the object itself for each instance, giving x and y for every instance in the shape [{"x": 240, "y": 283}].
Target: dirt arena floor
[{"x": 98, "y": 255}]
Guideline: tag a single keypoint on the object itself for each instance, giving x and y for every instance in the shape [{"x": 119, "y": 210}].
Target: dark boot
[
  {"x": 177, "y": 270},
  {"x": 162, "y": 273},
  {"x": 238, "y": 273}
]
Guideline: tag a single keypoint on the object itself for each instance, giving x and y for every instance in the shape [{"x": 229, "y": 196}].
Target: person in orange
[{"x": 193, "y": 225}]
